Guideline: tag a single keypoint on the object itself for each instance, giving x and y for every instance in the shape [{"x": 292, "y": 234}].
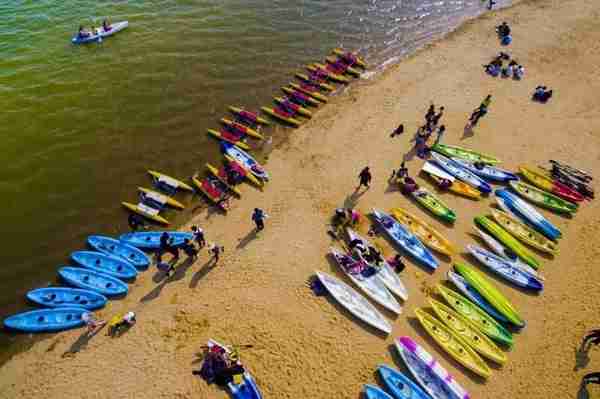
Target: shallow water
[{"x": 81, "y": 124}]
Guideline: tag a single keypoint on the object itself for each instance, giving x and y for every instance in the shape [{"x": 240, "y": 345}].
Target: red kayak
[{"x": 566, "y": 192}]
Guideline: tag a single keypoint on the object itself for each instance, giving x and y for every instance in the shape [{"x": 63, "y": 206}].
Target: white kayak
[
  {"x": 385, "y": 273},
  {"x": 370, "y": 284},
  {"x": 354, "y": 302},
  {"x": 463, "y": 174},
  {"x": 486, "y": 171},
  {"x": 114, "y": 28}
]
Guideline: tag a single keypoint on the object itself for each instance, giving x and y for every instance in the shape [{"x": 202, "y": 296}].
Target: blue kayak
[
  {"x": 247, "y": 389},
  {"x": 400, "y": 385},
  {"x": 46, "y": 320},
  {"x": 108, "y": 264},
  {"x": 405, "y": 239},
  {"x": 110, "y": 246},
  {"x": 373, "y": 392},
  {"x": 151, "y": 239},
  {"x": 91, "y": 280},
  {"x": 54, "y": 297},
  {"x": 456, "y": 170}
]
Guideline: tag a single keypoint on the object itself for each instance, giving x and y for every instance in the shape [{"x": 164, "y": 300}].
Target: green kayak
[
  {"x": 543, "y": 198},
  {"x": 507, "y": 239},
  {"x": 464, "y": 153},
  {"x": 490, "y": 293},
  {"x": 434, "y": 205},
  {"x": 484, "y": 322}
]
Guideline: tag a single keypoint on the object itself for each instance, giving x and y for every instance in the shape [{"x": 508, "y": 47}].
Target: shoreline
[{"x": 258, "y": 293}]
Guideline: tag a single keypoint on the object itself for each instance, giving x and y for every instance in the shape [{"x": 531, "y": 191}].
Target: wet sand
[{"x": 309, "y": 347}]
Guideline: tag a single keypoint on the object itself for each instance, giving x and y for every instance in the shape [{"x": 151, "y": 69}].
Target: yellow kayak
[
  {"x": 330, "y": 75},
  {"x": 537, "y": 179},
  {"x": 230, "y": 138},
  {"x": 242, "y": 128},
  {"x": 459, "y": 187},
  {"x": 222, "y": 176},
  {"x": 349, "y": 70},
  {"x": 309, "y": 90},
  {"x": 305, "y": 97},
  {"x": 453, "y": 344},
  {"x": 161, "y": 198},
  {"x": 469, "y": 332},
  {"x": 350, "y": 57},
  {"x": 427, "y": 234},
  {"x": 171, "y": 181},
  {"x": 322, "y": 85},
  {"x": 145, "y": 211},
  {"x": 298, "y": 108},
  {"x": 281, "y": 116},
  {"x": 524, "y": 233},
  {"x": 248, "y": 115},
  {"x": 248, "y": 174}
]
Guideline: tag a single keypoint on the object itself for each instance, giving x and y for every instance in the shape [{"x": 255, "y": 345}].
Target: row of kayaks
[{"x": 96, "y": 276}]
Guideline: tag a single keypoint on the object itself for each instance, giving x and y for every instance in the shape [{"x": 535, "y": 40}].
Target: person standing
[
  {"x": 365, "y": 178},
  {"x": 430, "y": 113},
  {"x": 436, "y": 118},
  {"x": 215, "y": 250},
  {"x": 399, "y": 130},
  {"x": 199, "y": 236},
  {"x": 440, "y": 134},
  {"x": 259, "y": 216}
]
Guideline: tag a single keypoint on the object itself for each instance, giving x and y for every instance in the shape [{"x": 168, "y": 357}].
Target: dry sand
[{"x": 307, "y": 346}]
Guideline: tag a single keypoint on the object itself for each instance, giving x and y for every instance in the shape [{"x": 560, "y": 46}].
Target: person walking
[
  {"x": 365, "y": 178},
  {"x": 430, "y": 113},
  {"x": 199, "y": 236},
  {"x": 440, "y": 134},
  {"x": 259, "y": 216},
  {"x": 399, "y": 130},
  {"x": 215, "y": 250},
  {"x": 436, "y": 118}
]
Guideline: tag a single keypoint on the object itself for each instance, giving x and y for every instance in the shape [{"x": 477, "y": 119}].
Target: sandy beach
[{"x": 309, "y": 347}]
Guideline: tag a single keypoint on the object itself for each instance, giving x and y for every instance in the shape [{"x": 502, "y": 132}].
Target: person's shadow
[
  {"x": 244, "y": 241},
  {"x": 81, "y": 342},
  {"x": 582, "y": 358},
  {"x": 468, "y": 131},
  {"x": 352, "y": 199}
]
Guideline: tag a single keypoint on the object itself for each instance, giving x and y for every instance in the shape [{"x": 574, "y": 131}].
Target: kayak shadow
[{"x": 414, "y": 322}]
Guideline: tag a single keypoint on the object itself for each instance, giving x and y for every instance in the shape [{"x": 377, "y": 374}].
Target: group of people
[
  {"x": 432, "y": 120},
  {"x": 512, "y": 69},
  {"x": 220, "y": 366},
  {"x": 83, "y": 33}
]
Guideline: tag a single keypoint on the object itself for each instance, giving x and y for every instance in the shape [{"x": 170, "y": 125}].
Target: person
[
  {"x": 106, "y": 26},
  {"x": 357, "y": 247},
  {"x": 94, "y": 30},
  {"x": 259, "y": 217},
  {"x": 396, "y": 263},
  {"x": 215, "y": 251},
  {"x": 127, "y": 320},
  {"x": 487, "y": 101},
  {"x": 233, "y": 176},
  {"x": 365, "y": 178},
  {"x": 91, "y": 322},
  {"x": 445, "y": 184},
  {"x": 492, "y": 69},
  {"x": 174, "y": 251},
  {"x": 375, "y": 255},
  {"x": 591, "y": 378},
  {"x": 518, "y": 72},
  {"x": 339, "y": 218},
  {"x": 481, "y": 110},
  {"x": 541, "y": 94},
  {"x": 409, "y": 186},
  {"x": 491, "y": 4},
  {"x": 503, "y": 56},
  {"x": 436, "y": 118},
  {"x": 189, "y": 249},
  {"x": 135, "y": 222},
  {"x": 82, "y": 34},
  {"x": 430, "y": 112},
  {"x": 400, "y": 173},
  {"x": 503, "y": 30},
  {"x": 162, "y": 247},
  {"x": 198, "y": 234},
  {"x": 399, "y": 130},
  {"x": 354, "y": 216},
  {"x": 440, "y": 134},
  {"x": 506, "y": 72}
]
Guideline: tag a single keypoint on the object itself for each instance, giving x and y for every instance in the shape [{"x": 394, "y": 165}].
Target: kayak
[
  {"x": 151, "y": 239},
  {"x": 400, "y": 385},
  {"x": 54, "y": 297},
  {"x": 507, "y": 239},
  {"x": 486, "y": 171},
  {"x": 384, "y": 272},
  {"x": 470, "y": 292},
  {"x": 350, "y": 58},
  {"x": 169, "y": 181},
  {"x": 354, "y": 302},
  {"x": 226, "y": 135},
  {"x": 323, "y": 86},
  {"x": 245, "y": 160},
  {"x": 546, "y": 183},
  {"x": 284, "y": 102},
  {"x": 464, "y": 153},
  {"x": 373, "y": 392},
  {"x": 432, "y": 376},
  {"x": 214, "y": 190},
  {"x": 242, "y": 129},
  {"x": 543, "y": 198},
  {"x": 507, "y": 254},
  {"x": 243, "y": 171},
  {"x": 427, "y": 234},
  {"x": 490, "y": 292},
  {"x": 347, "y": 67},
  {"x": 248, "y": 116},
  {"x": 46, "y": 320},
  {"x": 146, "y": 211},
  {"x": 336, "y": 67},
  {"x": 404, "y": 239},
  {"x": 528, "y": 213},
  {"x": 107, "y": 264},
  {"x": 434, "y": 205},
  {"x": 476, "y": 315},
  {"x": 469, "y": 332},
  {"x": 437, "y": 174},
  {"x": 247, "y": 389},
  {"x": 456, "y": 170},
  {"x": 310, "y": 90},
  {"x": 370, "y": 284},
  {"x": 91, "y": 280},
  {"x": 524, "y": 233},
  {"x": 160, "y": 198},
  {"x": 117, "y": 248},
  {"x": 114, "y": 28},
  {"x": 504, "y": 269},
  {"x": 453, "y": 344},
  {"x": 331, "y": 75},
  {"x": 300, "y": 98},
  {"x": 221, "y": 174},
  {"x": 282, "y": 115}
]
